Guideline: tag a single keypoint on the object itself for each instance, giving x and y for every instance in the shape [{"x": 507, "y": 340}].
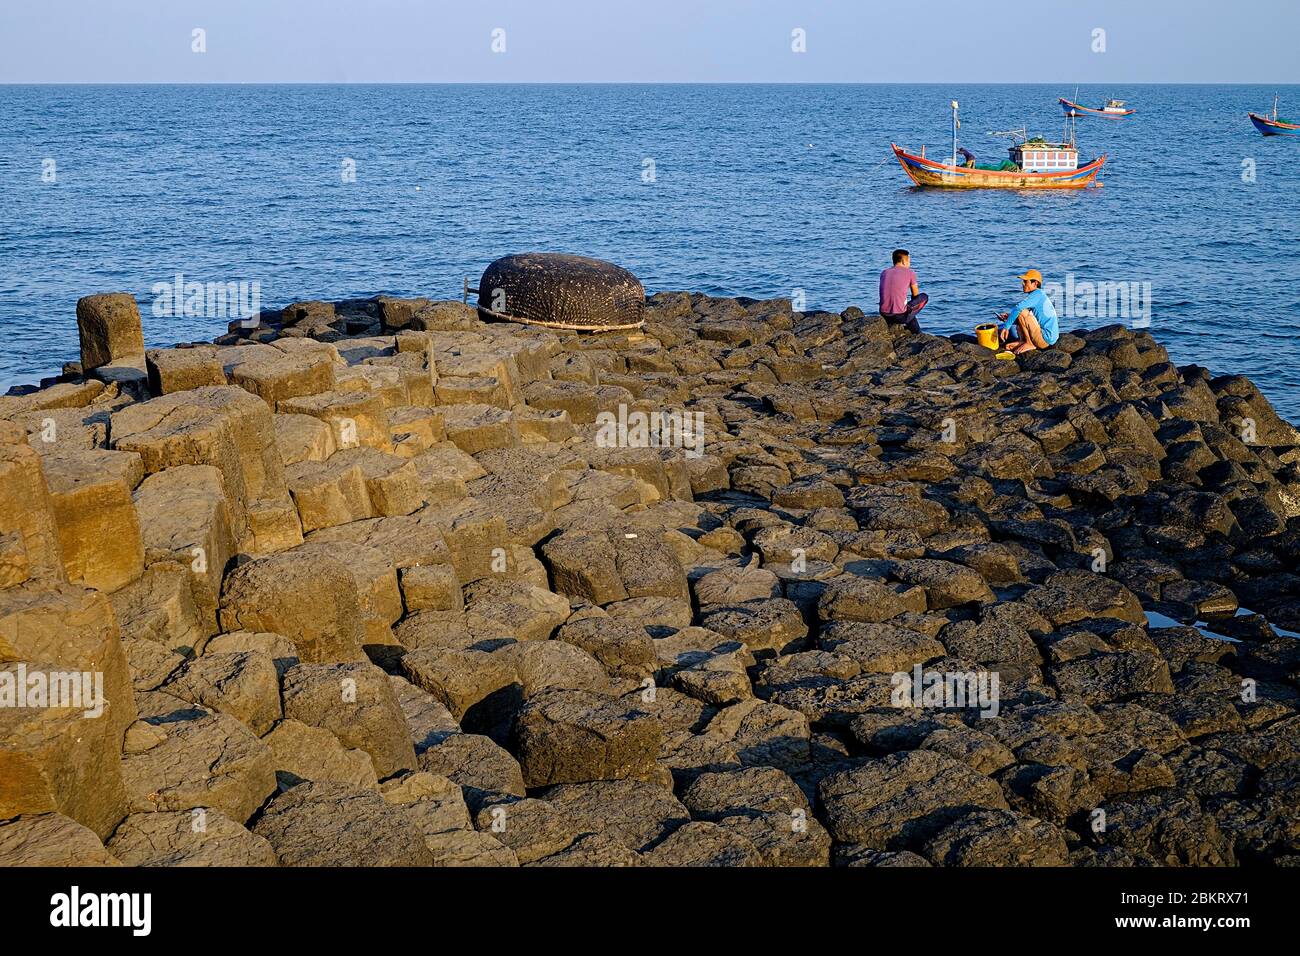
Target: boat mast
[
  {"x": 954, "y": 132},
  {"x": 1274, "y": 107}
]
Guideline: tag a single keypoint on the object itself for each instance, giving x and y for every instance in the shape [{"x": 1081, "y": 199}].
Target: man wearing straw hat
[{"x": 1031, "y": 323}]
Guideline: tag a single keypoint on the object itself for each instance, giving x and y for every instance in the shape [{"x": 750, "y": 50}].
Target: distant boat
[
  {"x": 1114, "y": 109},
  {"x": 1031, "y": 164},
  {"x": 1274, "y": 125}
]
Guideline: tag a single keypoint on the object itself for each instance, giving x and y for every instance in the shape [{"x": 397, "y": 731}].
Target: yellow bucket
[{"x": 987, "y": 335}]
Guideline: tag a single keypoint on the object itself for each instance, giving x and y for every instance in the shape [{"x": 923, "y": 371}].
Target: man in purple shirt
[{"x": 895, "y": 284}]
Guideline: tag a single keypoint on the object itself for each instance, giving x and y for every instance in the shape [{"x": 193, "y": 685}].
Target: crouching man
[{"x": 1031, "y": 323}]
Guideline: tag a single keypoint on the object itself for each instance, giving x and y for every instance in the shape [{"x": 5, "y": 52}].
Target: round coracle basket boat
[{"x": 561, "y": 291}]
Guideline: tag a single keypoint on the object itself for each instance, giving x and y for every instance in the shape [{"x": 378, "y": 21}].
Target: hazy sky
[{"x": 149, "y": 41}]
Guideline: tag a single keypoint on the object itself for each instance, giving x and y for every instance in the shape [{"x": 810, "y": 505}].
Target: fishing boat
[
  {"x": 1114, "y": 109},
  {"x": 1274, "y": 125},
  {"x": 1031, "y": 164}
]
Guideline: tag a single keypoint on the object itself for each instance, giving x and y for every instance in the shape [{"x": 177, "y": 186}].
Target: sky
[{"x": 662, "y": 41}]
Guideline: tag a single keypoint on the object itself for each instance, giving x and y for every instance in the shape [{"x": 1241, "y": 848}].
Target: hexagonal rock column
[
  {"x": 29, "y": 538},
  {"x": 63, "y": 759},
  {"x": 109, "y": 327},
  {"x": 231, "y": 430},
  {"x": 90, "y": 491}
]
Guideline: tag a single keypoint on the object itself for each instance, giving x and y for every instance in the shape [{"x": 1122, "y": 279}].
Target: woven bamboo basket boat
[{"x": 559, "y": 291}]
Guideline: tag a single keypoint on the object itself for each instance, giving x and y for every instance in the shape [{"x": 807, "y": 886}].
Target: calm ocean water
[{"x": 756, "y": 190}]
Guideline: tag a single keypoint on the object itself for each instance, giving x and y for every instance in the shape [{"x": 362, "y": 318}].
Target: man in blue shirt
[{"x": 1031, "y": 323}]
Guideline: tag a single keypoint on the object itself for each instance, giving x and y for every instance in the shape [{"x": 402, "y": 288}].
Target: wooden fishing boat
[
  {"x": 1032, "y": 164},
  {"x": 1114, "y": 109},
  {"x": 1274, "y": 125},
  {"x": 928, "y": 172}
]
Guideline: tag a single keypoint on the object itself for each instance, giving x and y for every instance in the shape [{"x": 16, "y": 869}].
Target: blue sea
[{"x": 726, "y": 189}]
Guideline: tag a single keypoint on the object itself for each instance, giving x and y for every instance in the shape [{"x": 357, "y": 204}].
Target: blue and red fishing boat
[
  {"x": 1275, "y": 125},
  {"x": 1031, "y": 164},
  {"x": 1114, "y": 109}
]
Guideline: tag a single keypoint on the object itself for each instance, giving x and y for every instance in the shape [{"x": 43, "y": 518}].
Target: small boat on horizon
[
  {"x": 1031, "y": 164},
  {"x": 1275, "y": 125},
  {"x": 1114, "y": 109}
]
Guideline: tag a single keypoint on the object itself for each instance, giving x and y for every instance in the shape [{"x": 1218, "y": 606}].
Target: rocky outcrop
[{"x": 376, "y": 583}]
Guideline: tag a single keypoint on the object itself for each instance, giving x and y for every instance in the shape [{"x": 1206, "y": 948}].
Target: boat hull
[
  {"x": 928, "y": 173},
  {"x": 1074, "y": 109},
  {"x": 1272, "y": 127}
]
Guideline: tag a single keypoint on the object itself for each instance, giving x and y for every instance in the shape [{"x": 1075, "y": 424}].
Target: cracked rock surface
[{"x": 376, "y": 583}]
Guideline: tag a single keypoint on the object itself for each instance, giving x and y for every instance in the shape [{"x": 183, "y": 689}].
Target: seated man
[
  {"x": 895, "y": 284},
  {"x": 1031, "y": 323}
]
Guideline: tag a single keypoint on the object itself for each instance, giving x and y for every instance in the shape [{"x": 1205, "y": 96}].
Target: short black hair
[{"x": 900, "y": 255}]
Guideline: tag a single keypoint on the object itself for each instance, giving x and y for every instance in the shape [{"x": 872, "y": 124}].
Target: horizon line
[{"x": 636, "y": 83}]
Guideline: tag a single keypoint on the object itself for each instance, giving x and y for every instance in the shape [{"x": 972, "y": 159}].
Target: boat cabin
[
  {"x": 1037, "y": 156},
  {"x": 1114, "y": 106}
]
